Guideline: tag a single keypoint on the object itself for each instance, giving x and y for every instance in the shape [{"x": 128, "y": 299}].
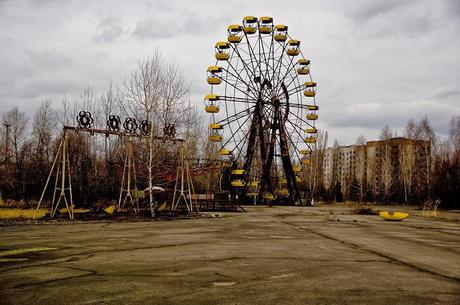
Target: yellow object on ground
[
  {"x": 395, "y": 216},
  {"x": 111, "y": 209},
  {"x": 75, "y": 211},
  {"x": 22, "y": 213},
  {"x": 19, "y": 252},
  {"x": 162, "y": 206},
  {"x": 9, "y": 260}
]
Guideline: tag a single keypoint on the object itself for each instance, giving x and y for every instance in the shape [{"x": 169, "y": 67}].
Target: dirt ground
[{"x": 278, "y": 255}]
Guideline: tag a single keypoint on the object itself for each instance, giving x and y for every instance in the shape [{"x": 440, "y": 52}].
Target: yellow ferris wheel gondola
[
  {"x": 222, "y": 50},
  {"x": 293, "y": 47},
  {"x": 280, "y": 33},
  {"x": 297, "y": 169},
  {"x": 238, "y": 172},
  {"x": 210, "y": 107},
  {"x": 234, "y": 33},
  {"x": 215, "y": 132},
  {"x": 215, "y": 137},
  {"x": 282, "y": 192},
  {"x": 225, "y": 152},
  {"x": 303, "y": 66},
  {"x": 214, "y": 73},
  {"x": 265, "y": 25},
  {"x": 250, "y": 25}
]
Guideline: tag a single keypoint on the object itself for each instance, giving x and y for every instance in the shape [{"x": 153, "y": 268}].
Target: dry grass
[{"x": 10, "y": 213}]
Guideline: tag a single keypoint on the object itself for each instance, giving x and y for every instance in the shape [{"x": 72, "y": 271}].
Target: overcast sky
[{"x": 375, "y": 62}]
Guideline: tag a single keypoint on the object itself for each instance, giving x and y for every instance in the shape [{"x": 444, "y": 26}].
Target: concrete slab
[{"x": 278, "y": 255}]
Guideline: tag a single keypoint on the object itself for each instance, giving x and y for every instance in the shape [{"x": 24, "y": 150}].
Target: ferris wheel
[{"x": 263, "y": 109}]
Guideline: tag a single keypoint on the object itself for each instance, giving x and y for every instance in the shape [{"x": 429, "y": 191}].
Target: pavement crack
[
  {"x": 88, "y": 272},
  {"x": 391, "y": 258}
]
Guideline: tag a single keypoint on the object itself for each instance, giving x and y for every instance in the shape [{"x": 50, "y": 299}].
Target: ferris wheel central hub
[
  {"x": 275, "y": 102},
  {"x": 262, "y": 103}
]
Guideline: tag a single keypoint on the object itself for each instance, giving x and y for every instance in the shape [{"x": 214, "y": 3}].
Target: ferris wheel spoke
[
  {"x": 251, "y": 54},
  {"x": 271, "y": 48},
  {"x": 288, "y": 68},
  {"x": 279, "y": 65},
  {"x": 237, "y": 88},
  {"x": 295, "y": 105},
  {"x": 240, "y": 141},
  {"x": 295, "y": 148},
  {"x": 236, "y": 116},
  {"x": 296, "y": 90},
  {"x": 237, "y": 76},
  {"x": 293, "y": 79},
  {"x": 302, "y": 120},
  {"x": 265, "y": 60},
  {"x": 236, "y": 99},
  {"x": 296, "y": 130},
  {"x": 253, "y": 57}
]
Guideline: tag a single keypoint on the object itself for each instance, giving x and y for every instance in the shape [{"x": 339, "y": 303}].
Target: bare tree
[
  {"x": 193, "y": 130},
  {"x": 42, "y": 131},
  {"x": 157, "y": 93},
  {"x": 174, "y": 95},
  {"x": 407, "y": 166},
  {"x": 142, "y": 95},
  {"x": 13, "y": 175},
  {"x": 108, "y": 104},
  {"x": 454, "y": 133},
  {"x": 18, "y": 127},
  {"x": 411, "y": 130},
  {"x": 65, "y": 115},
  {"x": 360, "y": 172},
  {"x": 318, "y": 160},
  {"x": 386, "y": 173},
  {"x": 142, "y": 92},
  {"x": 427, "y": 137}
]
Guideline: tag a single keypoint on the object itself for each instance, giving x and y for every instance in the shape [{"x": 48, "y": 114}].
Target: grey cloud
[
  {"x": 189, "y": 23},
  {"x": 47, "y": 87},
  {"x": 47, "y": 60},
  {"x": 453, "y": 8},
  {"x": 446, "y": 94},
  {"x": 370, "y": 58},
  {"x": 398, "y": 19},
  {"x": 376, "y": 115},
  {"x": 146, "y": 29},
  {"x": 109, "y": 30},
  {"x": 369, "y": 10}
]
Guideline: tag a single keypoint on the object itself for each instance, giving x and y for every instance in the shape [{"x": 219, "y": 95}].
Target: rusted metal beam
[{"x": 119, "y": 133}]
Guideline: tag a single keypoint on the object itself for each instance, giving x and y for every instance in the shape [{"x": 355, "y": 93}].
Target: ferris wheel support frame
[{"x": 264, "y": 126}]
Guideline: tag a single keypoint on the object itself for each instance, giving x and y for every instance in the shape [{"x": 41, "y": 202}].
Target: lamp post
[{"x": 7, "y": 141}]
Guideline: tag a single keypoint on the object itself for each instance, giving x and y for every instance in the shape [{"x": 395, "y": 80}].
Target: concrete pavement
[{"x": 279, "y": 255}]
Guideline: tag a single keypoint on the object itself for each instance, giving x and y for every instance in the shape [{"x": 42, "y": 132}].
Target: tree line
[
  {"x": 155, "y": 91},
  {"x": 418, "y": 168}
]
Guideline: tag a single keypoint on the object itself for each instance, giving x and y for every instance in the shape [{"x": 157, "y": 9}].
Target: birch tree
[
  {"x": 406, "y": 167},
  {"x": 360, "y": 173},
  {"x": 427, "y": 138},
  {"x": 141, "y": 98},
  {"x": 386, "y": 173}
]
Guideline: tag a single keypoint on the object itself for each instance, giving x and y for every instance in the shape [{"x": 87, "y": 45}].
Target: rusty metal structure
[
  {"x": 62, "y": 189},
  {"x": 263, "y": 110}
]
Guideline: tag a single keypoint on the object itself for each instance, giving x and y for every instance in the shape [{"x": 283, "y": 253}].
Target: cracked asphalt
[{"x": 278, "y": 255}]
